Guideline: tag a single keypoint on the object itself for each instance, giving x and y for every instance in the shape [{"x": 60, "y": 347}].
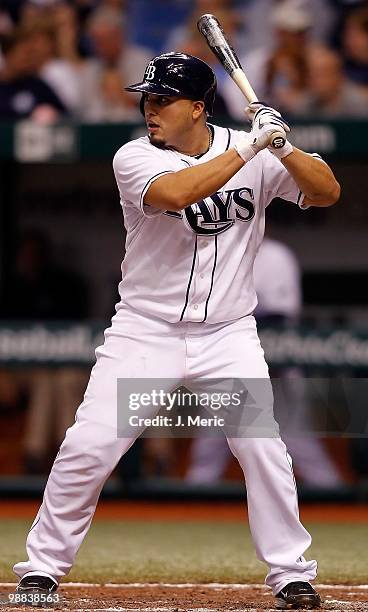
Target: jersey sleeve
[
  {"x": 277, "y": 182},
  {"x": 136, "y": 166}
]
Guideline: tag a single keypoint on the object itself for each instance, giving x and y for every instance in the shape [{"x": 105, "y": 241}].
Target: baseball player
[{"x": 194, "y": 197}]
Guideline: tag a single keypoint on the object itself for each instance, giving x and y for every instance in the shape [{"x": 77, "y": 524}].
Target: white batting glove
[
  {"x": 259, "y": 139},
  {"x": 258, "y": 113}
]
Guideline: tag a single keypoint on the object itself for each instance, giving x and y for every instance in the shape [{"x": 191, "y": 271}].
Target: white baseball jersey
[{"x": 195, "y": 265}]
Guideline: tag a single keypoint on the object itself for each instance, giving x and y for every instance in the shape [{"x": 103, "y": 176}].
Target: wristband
[{"x": 245, "y": 151}]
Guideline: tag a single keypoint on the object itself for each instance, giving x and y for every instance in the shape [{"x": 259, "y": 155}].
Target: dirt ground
[
  {"x": 191, "y": 511},
  {"x": 190, "y": 598}
]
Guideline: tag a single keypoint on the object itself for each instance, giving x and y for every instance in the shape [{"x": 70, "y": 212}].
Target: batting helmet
[{"x": 178, "y": 74}]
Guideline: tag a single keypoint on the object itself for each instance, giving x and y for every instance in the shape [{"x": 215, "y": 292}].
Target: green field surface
[{"x": 176, "y": 552}]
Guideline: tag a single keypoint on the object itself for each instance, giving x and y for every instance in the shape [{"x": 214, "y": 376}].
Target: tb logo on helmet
[{"x": 150, "y": 72}]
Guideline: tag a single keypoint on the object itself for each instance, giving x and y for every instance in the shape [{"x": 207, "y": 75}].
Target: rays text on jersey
[{"x": 218, "y": 213}]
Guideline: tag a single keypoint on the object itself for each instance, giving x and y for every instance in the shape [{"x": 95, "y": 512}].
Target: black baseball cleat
[
  {"x": 297, "y": 595},
  {"x": 36, "y": 591}
]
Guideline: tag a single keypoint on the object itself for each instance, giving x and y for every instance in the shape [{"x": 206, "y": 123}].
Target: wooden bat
[{"x": 216, "y": 39}]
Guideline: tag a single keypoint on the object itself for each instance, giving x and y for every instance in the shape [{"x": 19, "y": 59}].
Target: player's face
[{"x": 168, "y": 119}]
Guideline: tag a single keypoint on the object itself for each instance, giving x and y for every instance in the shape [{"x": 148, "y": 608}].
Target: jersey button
[
  {"x": 195, "y": 306},
  {"x": 205, "y": 242},
  {"x": 201, "y": 276}
]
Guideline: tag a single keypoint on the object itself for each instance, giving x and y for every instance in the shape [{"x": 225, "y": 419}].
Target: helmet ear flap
[
  {"x": 209, "y": 99},
  {"x": 141, "y": 104}
]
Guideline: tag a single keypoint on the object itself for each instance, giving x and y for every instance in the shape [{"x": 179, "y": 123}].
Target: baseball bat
[{"x": 216, "y": 39}]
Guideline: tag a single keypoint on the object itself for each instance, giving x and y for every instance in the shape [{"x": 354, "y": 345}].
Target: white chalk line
[
  {"x": 149, "y": 609},
  {"x": 172, "y": 609}
]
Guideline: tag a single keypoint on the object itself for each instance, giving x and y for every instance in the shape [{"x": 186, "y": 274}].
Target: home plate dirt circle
[{"x": 187, "y": 598}]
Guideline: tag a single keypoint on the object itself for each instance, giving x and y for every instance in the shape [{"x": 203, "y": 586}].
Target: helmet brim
[{"x": 155, "y": 88}]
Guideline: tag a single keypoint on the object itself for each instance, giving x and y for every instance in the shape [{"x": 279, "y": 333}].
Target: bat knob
[{"x": 277, "y": 140}]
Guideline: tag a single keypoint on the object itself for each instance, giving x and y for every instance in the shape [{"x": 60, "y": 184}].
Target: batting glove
[
  {"x": 258, "y": 113},
  {"x": 258, "y": 139}
]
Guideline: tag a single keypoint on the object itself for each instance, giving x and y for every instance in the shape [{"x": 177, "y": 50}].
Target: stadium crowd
[{"x": 72, "y": 58}]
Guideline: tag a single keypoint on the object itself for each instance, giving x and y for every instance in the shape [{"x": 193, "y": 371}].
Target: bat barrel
[
  {"x": 211, "y": 29},
  {"x": 206, "y": 22},
  {"x": 216, "y": 39}
]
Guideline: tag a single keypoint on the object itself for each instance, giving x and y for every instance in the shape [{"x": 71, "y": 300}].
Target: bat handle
[{"x": 277, "y": 140}]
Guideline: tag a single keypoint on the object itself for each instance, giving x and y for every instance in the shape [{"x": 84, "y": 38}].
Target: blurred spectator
[
  {"x": 6, "y": 27},
  {"x": 259, "y": 31},
  {"x": 67, "y": 22},
  {"x": 355, "y": 47},
  {"x": 6, "y": 24},
  {"x": 342, "y": 9},
  {"x": 112, "y": 104},
  {"x": 150, "y": 21},
  {"x": 277, "y": 279},
  {"x": 108, "y": 32},
  {"x": 67, "y": 31},
  {"x": 22, "y": 93},
  {"x": 329, "y": 92},
  {"x": 105, "y": 29},
  {"x": 285, "y": 72},
  {"x": 278, "y": 74},
  {"x": 38, "y": 289},
  {"x": 61, "y": 74}
]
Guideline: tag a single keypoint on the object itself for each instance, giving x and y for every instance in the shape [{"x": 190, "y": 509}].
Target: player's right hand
[
  {"x": 259, "y": 114},
  {"x": 261, "y": 134},
  {"x": 263, "y": 116},
  {"x": 266, "y": 121}
]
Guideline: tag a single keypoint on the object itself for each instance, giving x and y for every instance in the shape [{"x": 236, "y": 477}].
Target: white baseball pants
[{"x": 137, "y": 346}]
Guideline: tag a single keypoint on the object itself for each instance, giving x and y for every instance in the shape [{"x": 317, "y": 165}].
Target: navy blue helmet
[{"x": 178, "y": 74}]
